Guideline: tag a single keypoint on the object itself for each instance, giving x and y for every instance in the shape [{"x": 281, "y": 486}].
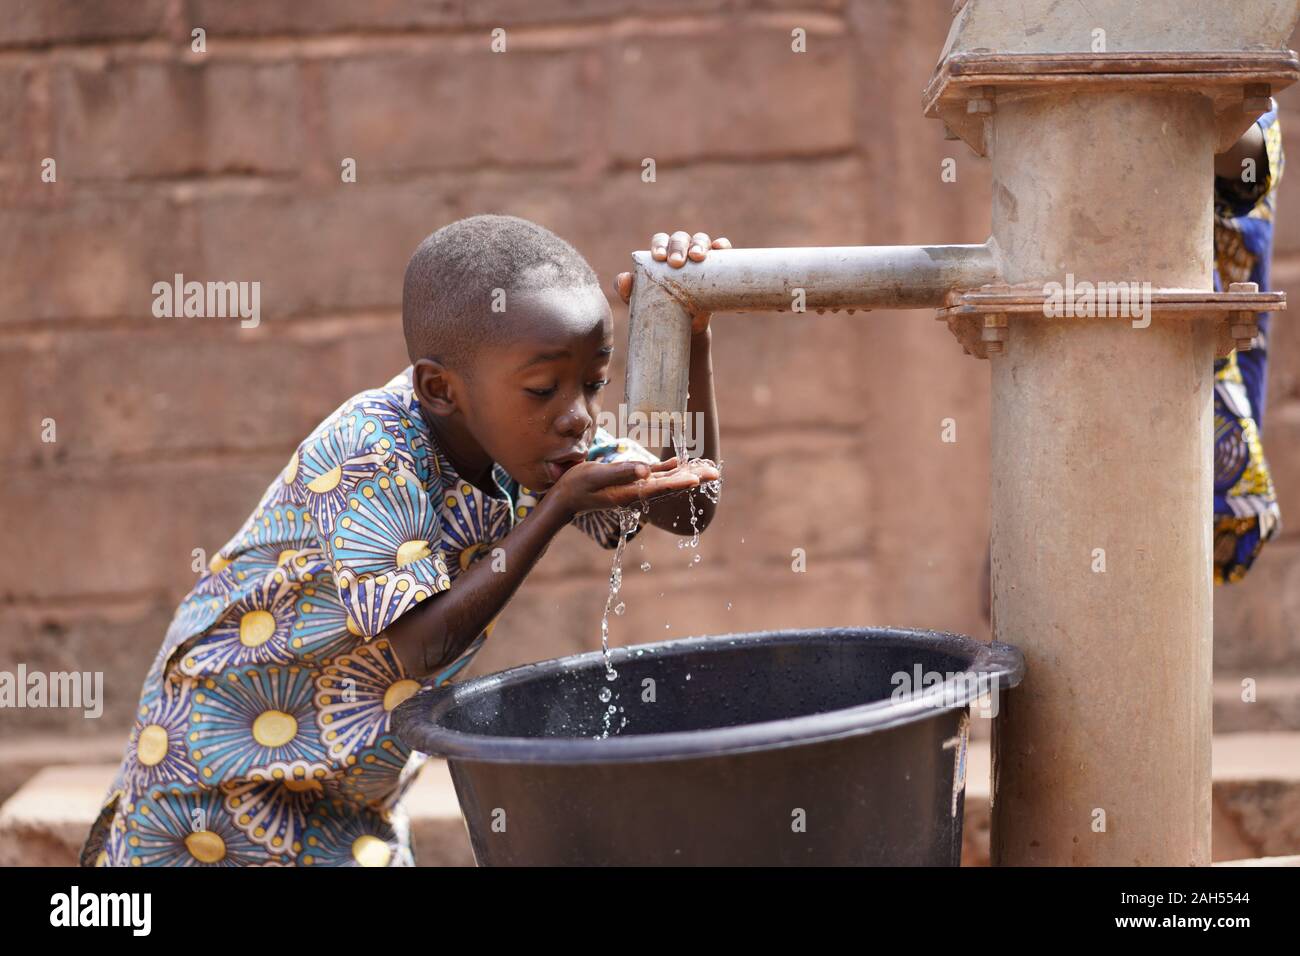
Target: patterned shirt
[
  {"x": 1246, "y": 511},
  {"x": 262, "y": 735}
]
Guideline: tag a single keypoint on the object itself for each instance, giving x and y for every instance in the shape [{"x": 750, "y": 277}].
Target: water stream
[{"x": 629, "y": 520}]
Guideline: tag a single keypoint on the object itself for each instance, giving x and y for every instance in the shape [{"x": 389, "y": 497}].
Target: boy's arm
[
  {"x": 436, "y": 632},
  {"x": 674, "y": 513}
]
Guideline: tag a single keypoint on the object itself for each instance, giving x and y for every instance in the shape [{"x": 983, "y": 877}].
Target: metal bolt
[
  {"x": 994, "y": 333},
  {"x": 1256, "y": 98},
  {"x": 1242, "y": 328},
  {"x": 981, "y": 100}
]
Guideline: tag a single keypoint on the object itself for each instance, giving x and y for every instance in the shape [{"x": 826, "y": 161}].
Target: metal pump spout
[{"x": 777, "y": 280}]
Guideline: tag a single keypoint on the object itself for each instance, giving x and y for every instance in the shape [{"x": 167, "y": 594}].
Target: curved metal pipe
[{"x": 774, "y": 280}]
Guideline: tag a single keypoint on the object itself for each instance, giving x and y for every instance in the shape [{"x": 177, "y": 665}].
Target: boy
[{"x": 262, "y": 736}]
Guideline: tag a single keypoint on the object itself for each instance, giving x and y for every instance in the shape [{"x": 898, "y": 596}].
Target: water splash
[
  {"x": 710, "y": 489},
  {"x": 629, "y": 520}
]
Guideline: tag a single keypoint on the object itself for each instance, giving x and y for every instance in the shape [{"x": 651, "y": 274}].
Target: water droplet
[
  {"x": 645, "y": 565},
  {"x": 696, "y": 560},
  {"x": 620, "y": 607},
  {"x": 606, "y": 693}
]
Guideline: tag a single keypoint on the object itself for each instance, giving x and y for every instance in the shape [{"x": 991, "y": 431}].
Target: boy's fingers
[
  {"x": 613, "y": 474},
  {"x": 702, "y": 470},
  {"x": 643, "y": 491},
  {"x": 682, "y": 479},
  {"x": 681, "y": 245},
  {"x": 654, "y": 487},
  {"x": 704, "y": 474},
  {"x": 677, "y": 244},
  {"x": 627, "y": 482},
  {"x": 623, "y": 284},
  {"x": 663, "y": 484}
]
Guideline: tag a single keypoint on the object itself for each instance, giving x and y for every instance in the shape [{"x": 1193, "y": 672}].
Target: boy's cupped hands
[{"x": 594, "y": 485}]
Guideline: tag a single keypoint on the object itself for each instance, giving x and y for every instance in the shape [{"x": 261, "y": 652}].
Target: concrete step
[
  {"x": 1256, "y": 808},
  {"x": 22, "y": 757},
  {"x": 45, "y": 822},
  {"x": 1263, "y": 861}
]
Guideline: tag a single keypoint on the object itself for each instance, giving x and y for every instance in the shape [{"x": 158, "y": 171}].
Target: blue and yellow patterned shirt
[{"x": 262, "y": 735}]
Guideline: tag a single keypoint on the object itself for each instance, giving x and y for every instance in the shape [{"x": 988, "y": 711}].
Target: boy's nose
[{"x": 574, "y": 422}]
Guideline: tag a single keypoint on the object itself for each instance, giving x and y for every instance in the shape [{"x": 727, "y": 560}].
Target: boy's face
[{"x": 531, "y": 401}]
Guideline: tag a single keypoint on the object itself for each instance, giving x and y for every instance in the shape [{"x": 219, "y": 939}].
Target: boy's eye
[{"x": 548, "y": 392}]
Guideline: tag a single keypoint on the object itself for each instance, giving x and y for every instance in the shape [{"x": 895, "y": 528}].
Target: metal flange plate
[
  {"x": 964, "y": 88},
  {"x": 978, "y": 318}
]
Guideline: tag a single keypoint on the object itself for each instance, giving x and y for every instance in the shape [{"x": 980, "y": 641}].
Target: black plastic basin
[{"x": 779, "y": 748}]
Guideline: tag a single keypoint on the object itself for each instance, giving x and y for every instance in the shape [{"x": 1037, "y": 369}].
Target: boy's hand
[
  {"x": 675, "y": 250},
  {"x": 595, "y": 485}
]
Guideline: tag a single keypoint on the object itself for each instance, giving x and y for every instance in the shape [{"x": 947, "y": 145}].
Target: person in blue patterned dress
[
  {"x": 1246, "y": 512},
  {"x": 380, "y": 556}
]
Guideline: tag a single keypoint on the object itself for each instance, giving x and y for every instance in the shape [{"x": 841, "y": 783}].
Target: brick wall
[{"x": 226, "y": 165}]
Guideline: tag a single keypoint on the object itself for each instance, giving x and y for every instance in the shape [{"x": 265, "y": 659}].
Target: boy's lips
[{"x": 556, "y": 467}]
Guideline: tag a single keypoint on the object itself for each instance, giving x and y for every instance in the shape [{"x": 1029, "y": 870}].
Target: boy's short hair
[{"x": 458, "y": 272}]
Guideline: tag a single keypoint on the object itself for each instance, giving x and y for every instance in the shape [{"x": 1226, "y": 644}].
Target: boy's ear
[{"x": 433, "y": 386}]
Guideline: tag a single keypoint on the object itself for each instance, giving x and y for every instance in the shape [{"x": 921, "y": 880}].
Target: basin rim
[{"x": 414, "y": 721}]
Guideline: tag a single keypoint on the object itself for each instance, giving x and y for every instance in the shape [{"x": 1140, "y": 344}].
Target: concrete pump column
[
  {"x": 1102, "y": 483},
  {"x": 1112, "y": 182}
]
